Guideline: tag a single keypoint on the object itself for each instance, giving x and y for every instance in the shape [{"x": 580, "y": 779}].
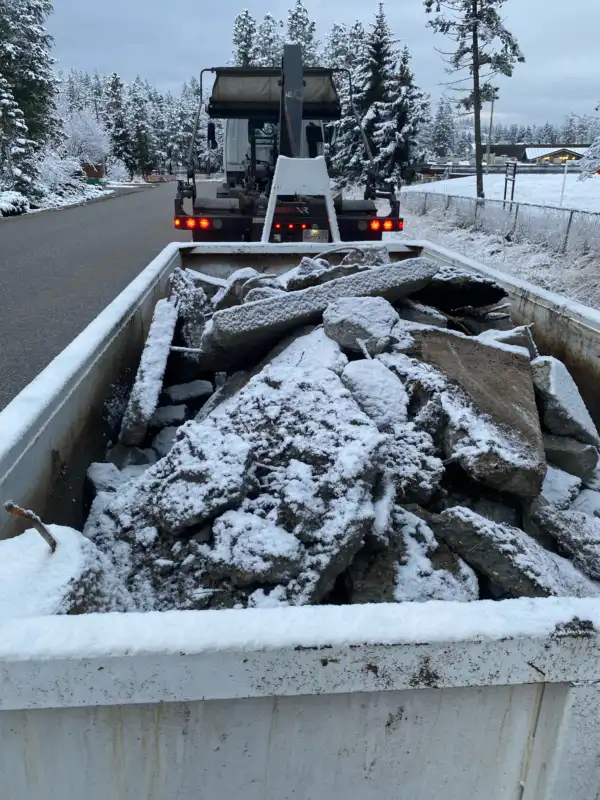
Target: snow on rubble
[{"x": 368, "y": 432}]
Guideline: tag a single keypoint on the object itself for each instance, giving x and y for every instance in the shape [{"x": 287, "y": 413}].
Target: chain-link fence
[{"x": 561, "y": 229}]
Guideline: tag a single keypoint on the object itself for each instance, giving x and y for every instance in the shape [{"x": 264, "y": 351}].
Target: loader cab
[{"x": 237, "y": 153}]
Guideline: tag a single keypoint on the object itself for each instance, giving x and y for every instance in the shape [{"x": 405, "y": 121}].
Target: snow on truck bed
[{"x": 339, "y": 452}]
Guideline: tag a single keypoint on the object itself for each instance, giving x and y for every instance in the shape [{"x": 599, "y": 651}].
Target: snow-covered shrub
[
  {"x": 12, "y": 203},
  {"x": 116, "y": 171},
  {"x": 57, "y": 171}
]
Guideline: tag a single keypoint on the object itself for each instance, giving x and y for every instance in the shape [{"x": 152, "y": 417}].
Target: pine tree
[
  {"x": 513, "y": 134},
  {"x": 346, "y": 49},
  {"x": 590, "y": 163},
  {"x": 484, "y": 47},
  {"x": 116, "y": 122},
  {"x": 375, "y": 76},
  {"x": 548, "y": 134},
  {"x": 403, "y": 113},
  {"x": 26, "y": 64},
  {"x": 141, "y": 132},
  {"x": 302, "y": 30},
  {"x": 444, "y": 130},
  {"x": 17, "y": 169},
  {"x": 268, "y": 46},
  {"x": 568, "y": 133},
  {"x": 244, "y": 39}
]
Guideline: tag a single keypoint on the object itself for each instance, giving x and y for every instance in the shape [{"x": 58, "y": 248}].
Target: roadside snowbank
[{"x": 573, "y": 276}]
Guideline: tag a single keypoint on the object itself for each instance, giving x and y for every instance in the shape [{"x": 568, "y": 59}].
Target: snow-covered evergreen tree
[
  {"x": 403, "y": 113},
  {"x": 244, "y": 39},
  {"x": 548, "y": 134},
  {"x": 116, "y": 121},
  {"x": 141, "y": 131},
  {"x": 301, "y": 29},
  {"x": 590, "y": 163},
  {"x": 484, "y": 49},
  {"x": 346, "y": 49},
  {"x": 569, "y": 132},
  {"x": 17, "y": 166},
  {"x": 27, "y": 64},
  {"x": 268, "y": 45},
  {"x": 443, "y": 137}
]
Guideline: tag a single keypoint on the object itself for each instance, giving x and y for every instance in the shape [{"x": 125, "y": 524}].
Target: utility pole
[{"x": 489, "y": 143}]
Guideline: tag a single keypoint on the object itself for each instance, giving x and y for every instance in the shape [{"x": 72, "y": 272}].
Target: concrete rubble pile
[{"x": 351, "y": 432}]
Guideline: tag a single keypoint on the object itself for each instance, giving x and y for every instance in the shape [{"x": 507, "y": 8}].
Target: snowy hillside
[{"x": 544, "y": 190}]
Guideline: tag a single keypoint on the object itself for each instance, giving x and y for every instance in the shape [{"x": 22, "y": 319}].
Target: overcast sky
[{"x": 168, "y": 41}]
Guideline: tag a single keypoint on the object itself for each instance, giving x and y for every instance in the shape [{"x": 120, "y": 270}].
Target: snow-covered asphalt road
[{"x": 59, "y": 269}]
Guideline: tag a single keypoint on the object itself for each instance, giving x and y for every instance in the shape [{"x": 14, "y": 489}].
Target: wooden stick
[{"x": 37, "y": 523}]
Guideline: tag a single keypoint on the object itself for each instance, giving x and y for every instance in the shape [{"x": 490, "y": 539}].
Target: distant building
[{"x": 539, "y": 153}]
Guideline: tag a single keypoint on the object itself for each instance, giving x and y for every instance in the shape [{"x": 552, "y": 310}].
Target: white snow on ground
[
  {"x": 576, "y": 277},
  {"x": 35, "y": 582},
  {"x": 543, "y": 190}
]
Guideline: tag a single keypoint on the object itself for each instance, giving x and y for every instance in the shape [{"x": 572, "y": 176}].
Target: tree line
[{"x": 52, "y": 122}]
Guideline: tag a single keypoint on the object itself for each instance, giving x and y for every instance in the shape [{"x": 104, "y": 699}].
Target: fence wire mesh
[{"x": 563, "y": 230}]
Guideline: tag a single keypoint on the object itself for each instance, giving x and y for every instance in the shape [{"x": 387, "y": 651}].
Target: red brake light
[
  {"x": 304, "y": 226},
  {"x": 400, "y": 224},
  {"x": 375, "y": 225},
  {"x": 190, "y": 222},
  {"x": 204, "y": 223},
  {"x": 177, "y": 222},
  {"x": 388, "y": 225},
  {"x": 291, "y": 226},
  {"x": 278, "y": 225}
]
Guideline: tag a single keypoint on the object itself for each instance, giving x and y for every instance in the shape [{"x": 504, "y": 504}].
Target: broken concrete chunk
[
  {"x": 248, "y": 549},
  {"x": 168, "y": 415},
  {"x": 76, "y": 579},
  {"x": 164, "y": 440},
  {"x": 315, "y": 271},
  {"x": 192, "y": 306},
  {"x": 426, "y": 315},
  {"x": 232, "y": 295},
  {"x": 571, "y": 456},
  {"x": 122, "y": 456},
  {"x": 577, "y": 534},
  {"x": 147, "y": 387},
  {"x": 560, "y": 488},
  {"x": 414, "y": 567},
  {"x": 510, "y": 558},
  {"x": 410, "y": 465},
  {"x": 183, "y": 392},
  {"x": 564, "y": 412},
  {"x": 265, "y": 281},
  {"x": 316, "y": 481},
  {"x": 263, "y": 293},
  {"x": 500, "y": 385},
  {"x": 244, "y": 326},
  {"x": 104, "y": 477},
  {"x": 204, "y": 474},
  {"x": 587, "y": 502},
  {"x": 231, "y": 387},
  {"x": 378, "y": 392},
  {"x": 361, "y": 324},
  {"x": 307, "y": 349},
  {"x": 454, "y": 288},
  {"x": 516, "y": 337}
]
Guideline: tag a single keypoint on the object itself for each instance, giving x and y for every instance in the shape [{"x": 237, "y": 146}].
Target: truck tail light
[
  {"x": 400, "y": 224},
  {"x": 190, "y": 223},
  {"x": 388, "y": 225},
  {"x": 375, "y": 225},
  {"x": 204, "y": 223},
  {"x": 177, "y": 222}
]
